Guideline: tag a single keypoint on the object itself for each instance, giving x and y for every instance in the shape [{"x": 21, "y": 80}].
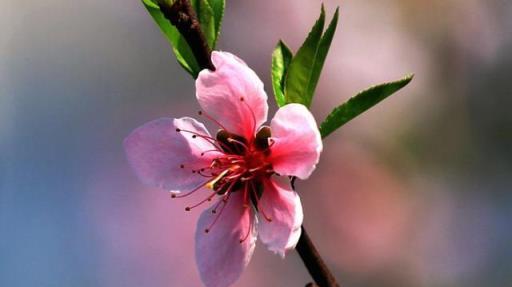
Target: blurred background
[{"x": 415, "y": 192}]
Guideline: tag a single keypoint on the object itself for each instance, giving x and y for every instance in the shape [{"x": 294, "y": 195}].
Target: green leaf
[
  {"x": 209, "y": 13},
  {"x": 206, "y": 18},
  {"x": 305, "y": 68},
  {"x": 281, "y": 58},
  {"x": 359, "y": 104},
  {"x": 301, "y": 66},
  {"x": 321, "y": 54},
  {"x": 218, "y": 13},
  {"x": 180, "y": 47}
]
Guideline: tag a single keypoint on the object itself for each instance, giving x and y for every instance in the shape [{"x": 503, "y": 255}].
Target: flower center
[
  {"x": 242, "y": 161},
  {"x": 241, "y": 166}
]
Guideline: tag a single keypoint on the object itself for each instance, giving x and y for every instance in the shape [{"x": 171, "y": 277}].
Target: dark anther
[
  {"x": 214, "y": 211},
  {"x": 173, "y": 195},
  {"x": 178, "y": 130},
  {"x": 292, "y": 181},
  {"x": 187, "y": 208},
  {"x": 230, "y": 146},
  {"x": 194, "y": 136},
  {"x": 182, "y": 166},
  {"x": 206, "y": 230},
  {"x": 256, "y": 196},
  {"x": 199, "y": 112},
  {"x": 262, "y": 138},
  {"x": 242, "y": 99}
]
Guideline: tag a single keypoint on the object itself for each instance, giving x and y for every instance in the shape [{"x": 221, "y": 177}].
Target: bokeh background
[{"x": 415, "y": 192}]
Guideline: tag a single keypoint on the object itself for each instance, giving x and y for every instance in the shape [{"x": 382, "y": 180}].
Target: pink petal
[
  {"x": 156, "y": 152},
  {"x": 220, "y": 95},
  {"x": 297, "y": 143},
  {"x": 282, "y": 205},
  {"x": 220, "y": 256}
]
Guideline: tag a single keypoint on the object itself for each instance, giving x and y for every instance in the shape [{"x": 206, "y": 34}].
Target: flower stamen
[
  {"x": 207, "y": 151},
  {"x": 174, "y": 195},
  {"x": 224, "y": 202},
  {"x": 248, "y": 229},
  {"x": 212, "y": 183},
  {"x": 209, "y": 139},
  {"x": 202, "y": 113},
  {"x": 258, "y": 205},
  {"x": 209, "y": 198},
  {"x": 252, "y": 114},
  {"x": 232, "y": 140}
]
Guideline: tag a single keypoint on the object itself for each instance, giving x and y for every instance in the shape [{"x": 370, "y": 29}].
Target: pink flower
[{"x": 239, "y": 167}]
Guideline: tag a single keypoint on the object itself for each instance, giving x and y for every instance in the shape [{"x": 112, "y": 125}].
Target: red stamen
[
  {"x": 214, "y": 210},
  {"x": 207, "y": 151},
  {"x": 232, "y": 140},
  {"x": 201, "y": 113},
  {"x": 209, "y": 198},
  {"x": 246, "y": 196},
  {"x": 190, "y": 192},
  {"x": 227, "y": 148},
  {"x": 224, "y": 201},
  {"x": 256, "y": 168},
  {"x": 252, "y": 114},
  {"x": 258, "y": 205},
  {"x": 236, "y": 173},
  {"x": 209, "y": 139},
  {"x": 205, "y": 175},
  {"x": 249, "y": 229},
  {"x": 248, "y": 177}
]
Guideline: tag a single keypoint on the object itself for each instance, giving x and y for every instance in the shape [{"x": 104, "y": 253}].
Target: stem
[
  {"x": 314, "y": 262},
  {"x": 182, "y": 15}
]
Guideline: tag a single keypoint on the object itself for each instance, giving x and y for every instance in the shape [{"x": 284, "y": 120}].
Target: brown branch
[
  {"x": 182, "y": 15},
  {"x": 314, "y": 262}
]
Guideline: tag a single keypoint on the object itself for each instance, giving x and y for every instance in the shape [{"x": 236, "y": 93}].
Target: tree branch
[
  {"x": 182, "y": 15},
  {"x": 314, "y": 262}
]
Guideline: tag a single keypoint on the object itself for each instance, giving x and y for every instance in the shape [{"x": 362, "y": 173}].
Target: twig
[
  {"x": 314, "y": 262},
  {"x": 182, "y": 15}
]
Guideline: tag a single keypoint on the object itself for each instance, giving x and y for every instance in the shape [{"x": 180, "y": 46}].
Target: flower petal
[
  {"x": 156, "y": 151},
  {"x": 283, "y": 206},
  {"x": 296, "y": 143},
  {"x": 221, "y": 257},
  {"x": 232, "y": 94}
]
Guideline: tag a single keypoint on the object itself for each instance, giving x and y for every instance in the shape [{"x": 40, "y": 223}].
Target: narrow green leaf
[
  {"x": 206, "y": 19},
  {"x": 321, "y": 54},
  {"x": 218, "y": 13},
  {"x": 180, "y": 47},
  {"x": 301, "y": 67},
  {"x": 359, "y": 104},
  {"x": 281, "y": 58}
]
